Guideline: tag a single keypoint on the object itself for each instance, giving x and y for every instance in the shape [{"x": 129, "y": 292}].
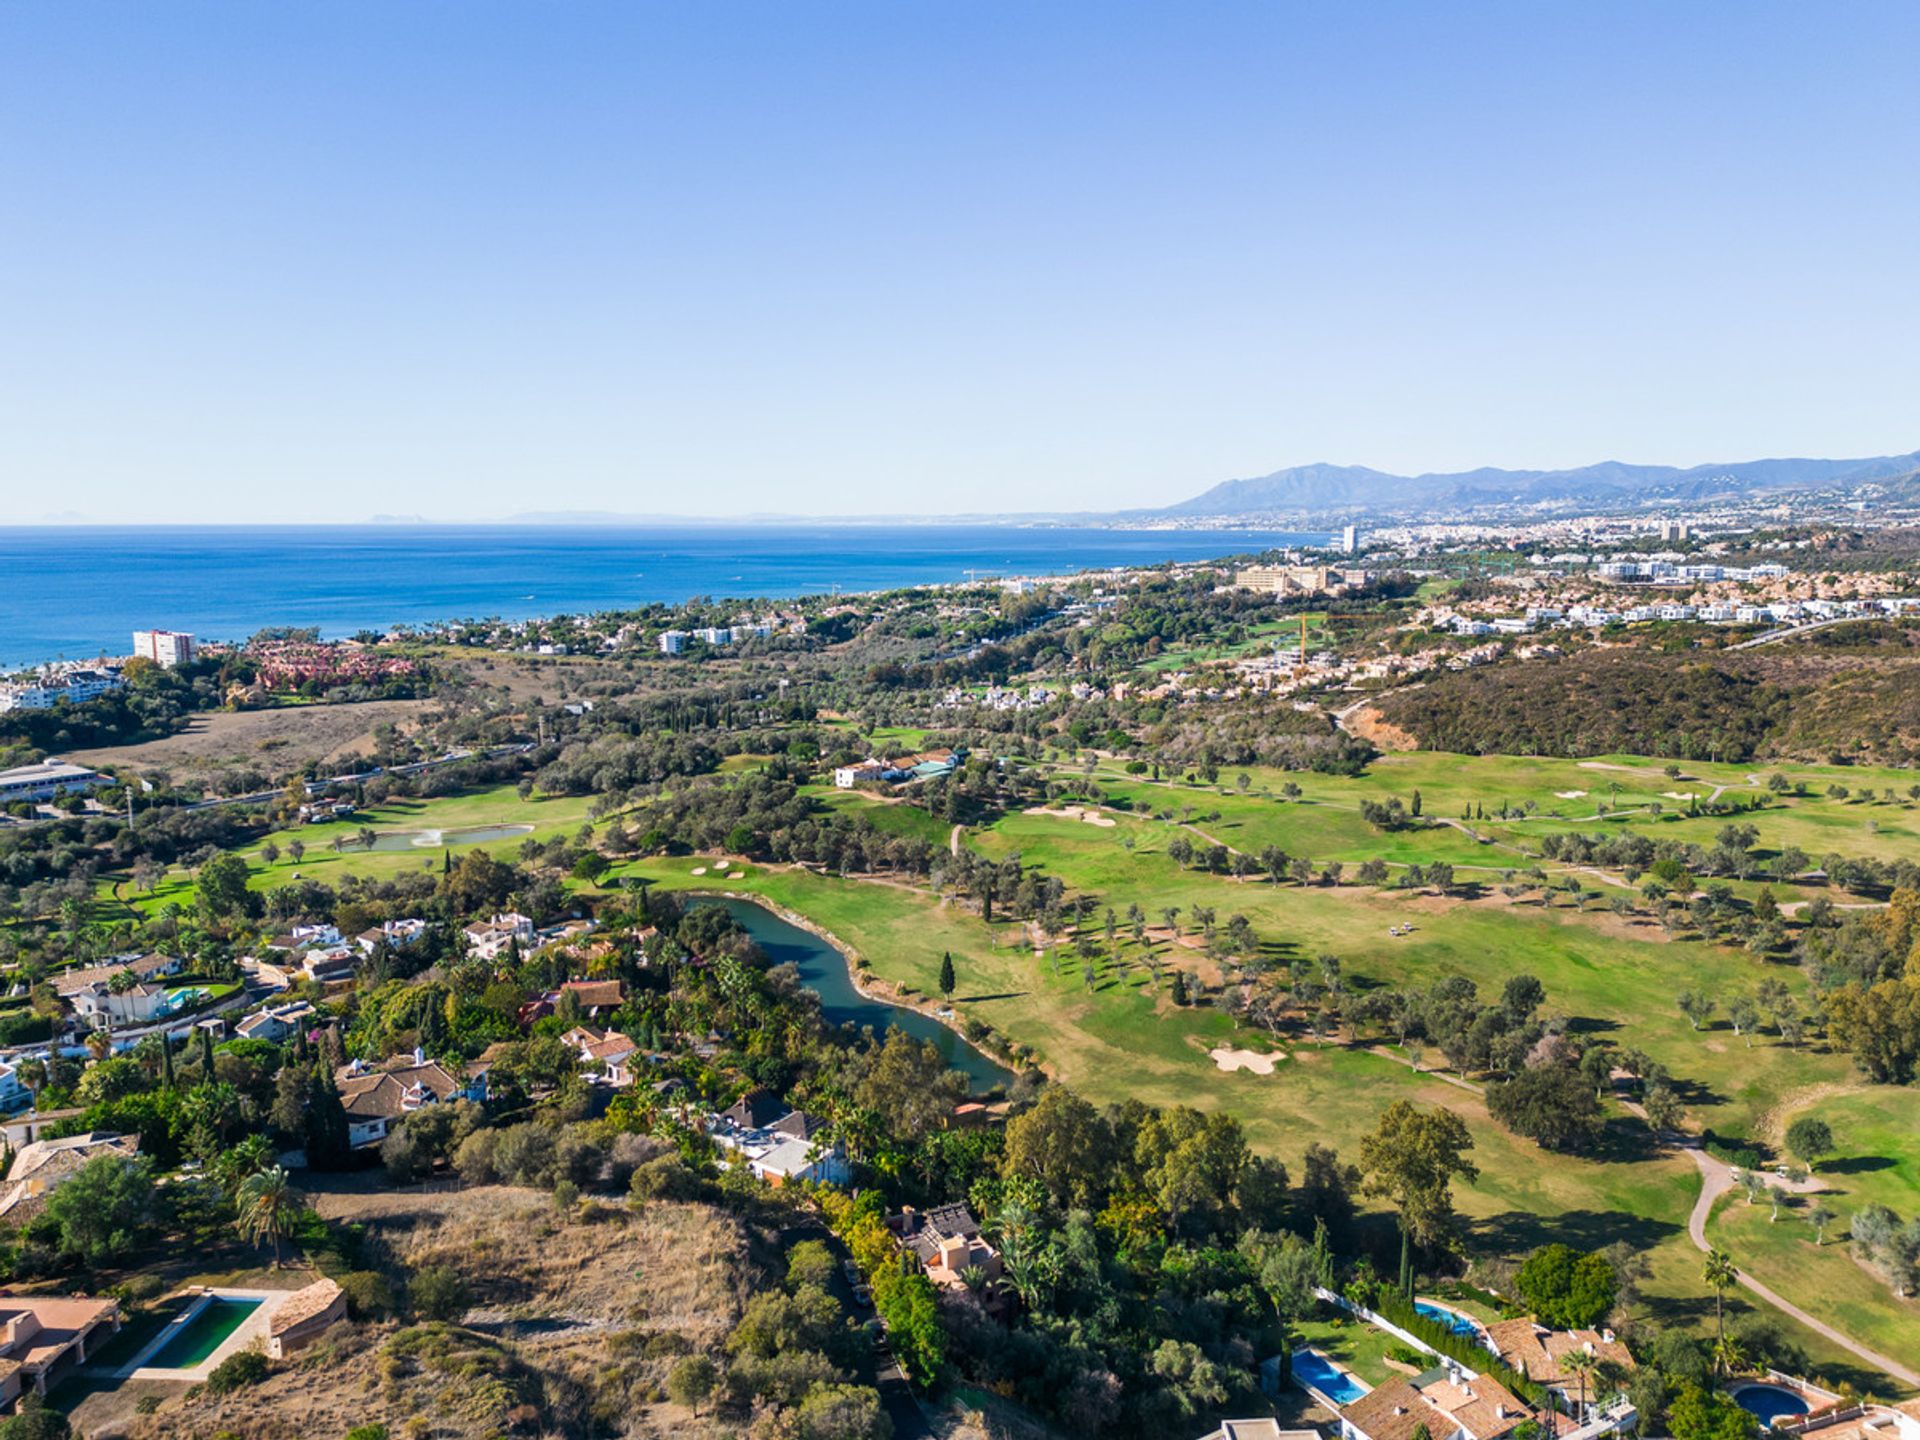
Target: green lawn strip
[
  {"x": 1824, "y": 1280},
  {"x": 1352, "y": 1344}
]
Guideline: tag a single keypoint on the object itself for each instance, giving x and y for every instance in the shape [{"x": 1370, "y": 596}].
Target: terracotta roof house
[
  {"x": 375, "y": 1097},
  {"x": 276, "y": 1022},
  {"x": 43, "y": 1337},
  {"x": 44, "y": 1166},
  {"x": 144, "y": 967},
  {"x": 596, "y": 995},
  {"x": 1540, "y": 1354},
  {"x": 303, "y": 1315},
  {"x": 1447, "y": 1401},
  {"x": 489, "y": 938},
  {"x": 754, "y": 1110}
]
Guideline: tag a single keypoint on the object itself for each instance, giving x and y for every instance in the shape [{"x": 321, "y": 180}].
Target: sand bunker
[
  {"x": 1243, "y": 1060},
  {"x": 1571, "y": 794},
  {"x": 698, "y": 870},
  {"x": 1678, "y": 794},
  {"x": 1074, "y": 812}
]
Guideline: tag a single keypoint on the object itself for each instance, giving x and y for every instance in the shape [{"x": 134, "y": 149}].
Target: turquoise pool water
[
  {"x": 194, "y": 1341},
  {"x": 1312, "y": 1368},
  {"x": 1459, "y": 1324}
]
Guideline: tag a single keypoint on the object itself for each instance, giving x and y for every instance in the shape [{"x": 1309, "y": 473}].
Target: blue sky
[{"x": 320, "y": 261}]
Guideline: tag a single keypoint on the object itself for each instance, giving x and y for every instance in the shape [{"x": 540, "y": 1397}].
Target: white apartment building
[{"x": 164, "y": 647}]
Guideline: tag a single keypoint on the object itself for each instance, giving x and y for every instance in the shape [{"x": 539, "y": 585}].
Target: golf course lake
[{"x": 823, "y": 970}]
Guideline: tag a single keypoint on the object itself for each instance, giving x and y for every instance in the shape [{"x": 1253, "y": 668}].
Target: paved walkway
[{"x": 1716, "y": 1179}]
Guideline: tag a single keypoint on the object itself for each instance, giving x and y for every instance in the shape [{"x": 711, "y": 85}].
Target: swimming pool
[
  {"x": 1769, "y": 1402},
  {"x": 200, "y": 1336},
  {"x": 1456, "y": 1322},
  {"x": 1312, "y": 1369}
]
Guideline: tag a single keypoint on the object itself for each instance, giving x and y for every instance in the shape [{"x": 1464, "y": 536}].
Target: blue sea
[{"x": 71, "y": 592}]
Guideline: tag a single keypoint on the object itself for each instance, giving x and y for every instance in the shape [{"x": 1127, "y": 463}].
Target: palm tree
[
  {"x": 1720, "y": 1274},
  {"x": 266, "y": 1207},
  {"x": 1579, "y": 1364}
]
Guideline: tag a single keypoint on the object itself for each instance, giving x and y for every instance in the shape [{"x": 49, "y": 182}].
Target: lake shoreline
[{"x": 866, "y": 986}]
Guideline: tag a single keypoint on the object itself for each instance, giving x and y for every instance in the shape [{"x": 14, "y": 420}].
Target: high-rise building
[
  {"x": 1350, "y": 539},
  {"x": 1671, "y": 530},
  {"x": 164, "y": 647}
]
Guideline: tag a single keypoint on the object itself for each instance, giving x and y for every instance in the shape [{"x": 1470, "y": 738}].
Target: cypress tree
[
  {"x": 946, "y": 973},
  {"x": 329, "y": 1141},
  {"x": 206, "y": 1051},
  {"x": 166, "y": 1062}
]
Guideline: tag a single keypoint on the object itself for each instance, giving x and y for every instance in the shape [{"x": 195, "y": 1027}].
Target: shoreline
[
  {"x": 586, "y": 579},
  {"x": 864, "y": 986}
]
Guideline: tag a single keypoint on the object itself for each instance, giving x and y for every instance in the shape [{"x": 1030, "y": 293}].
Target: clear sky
[{"x": 277, "y": 261}]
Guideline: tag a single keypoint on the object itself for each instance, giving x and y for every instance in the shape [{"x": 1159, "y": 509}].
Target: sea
[{"x": 70, "y": 592}]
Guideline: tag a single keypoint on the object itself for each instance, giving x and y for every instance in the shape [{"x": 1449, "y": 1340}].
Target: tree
[
  {"x": 266, "y": 1207},
  {"x": 222, "y": 884},
  {"x": 1696, "y": 1007},
  {"x": 910, "y": 1086},
  {"x": 1553, "y": 1104},
  {"x": 1581, "y": 1364},
  {"x": 1820, "y": 1217},
  {"x": 1699, "y": 1414},
  {"x": 1412, "y": 1159},
  {"x": 1287, "y": 1269},
  {"x": 1566, "y": 1289},
  {"x": 947, "y": 980},
  {"x": 439, "y": 1293},
  {"x": 1719, "y": 1273},
  {"x": 1065, "y": 1144},
  {"x": 691, "y": 1381},
  {"x": 1809, "y": 1138},
  {"x": 102, "y": 1212},
  {"x": 842, "y": 1412}
]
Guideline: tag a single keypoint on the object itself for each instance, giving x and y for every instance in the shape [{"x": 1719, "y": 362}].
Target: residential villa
[
  {"x": 923, "y": 766},
  {"x": 398, "y": 934},
  {"x": 142, "y": 967},
  {"x": 375, "y": 1097},
  {"x": 775, "y": 1142},
  {"x": 302, "y": 1317},
  {"x": 103, "y": 1007},
  {"x": 947, "y": 1242},
  {"x": 609, "y": 1050},
  {"x": 1446, "y": 1402},
  {"x": 488, "y": 939},
  {"x": 14, "y": 1095},
  {"x": 42, "y": 1337},
  {"x": 1267, "y": 1429},
  {"x": 276, "y": 1022},
  {"x": 43, "y": 1166},
  {"x": 1843, "y": 1419},
  {"x": 1540, "y": 1354}
]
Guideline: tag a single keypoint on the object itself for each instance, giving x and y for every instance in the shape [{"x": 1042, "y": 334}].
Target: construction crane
[{"x": 1300, "y": 669}]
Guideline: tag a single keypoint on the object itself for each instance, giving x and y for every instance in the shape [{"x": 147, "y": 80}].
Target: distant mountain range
[{"x": 1332, "y": 488}]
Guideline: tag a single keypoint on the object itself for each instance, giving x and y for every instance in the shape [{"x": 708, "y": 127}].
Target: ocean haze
[{"x": 83, "y": 591}]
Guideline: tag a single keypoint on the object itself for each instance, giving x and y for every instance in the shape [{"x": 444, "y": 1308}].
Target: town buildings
[
  {"x": 73, "y": 684},
  {"x": 47, "y": 780},
  {"x": 164, "y": 647}
]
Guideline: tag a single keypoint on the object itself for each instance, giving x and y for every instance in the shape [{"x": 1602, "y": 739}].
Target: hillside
[
  {"x": 1807, "y": 702},
  {"x": 1343, "y": 487}
]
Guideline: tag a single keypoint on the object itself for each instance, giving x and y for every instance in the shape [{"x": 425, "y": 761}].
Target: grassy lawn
[
  {"x": 1352, "y": 1344},
  {"x": 497, "y": 806}
]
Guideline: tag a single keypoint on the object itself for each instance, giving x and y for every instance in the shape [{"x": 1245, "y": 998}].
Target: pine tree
[
  {"x": 946, "y": 974},
  {"x": 329, "y": 1141}
]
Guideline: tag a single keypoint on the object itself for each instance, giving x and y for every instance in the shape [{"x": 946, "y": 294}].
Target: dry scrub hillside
[
  {"x": 277, "y": 742},
  {"x": 572, "y": 1328}
]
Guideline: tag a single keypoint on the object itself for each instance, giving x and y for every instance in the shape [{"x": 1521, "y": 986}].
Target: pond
[
  {"x": 823, "y": 970},
  {"x": 435, "y": 839}
]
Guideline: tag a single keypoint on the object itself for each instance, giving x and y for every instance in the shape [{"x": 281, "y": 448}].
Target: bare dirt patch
[
  {"x": 1371, "y": 726},
  {"x": 556, "y": 1340},
  {"x": 274, "y": 742}
]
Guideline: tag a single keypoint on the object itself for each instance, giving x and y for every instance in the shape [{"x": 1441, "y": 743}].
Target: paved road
[{"x": 1716, "y": 1179}]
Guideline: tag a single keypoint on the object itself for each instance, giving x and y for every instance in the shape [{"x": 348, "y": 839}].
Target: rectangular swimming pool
[
  {"x": 200, "y": 1336},
  {"x": 1312, "y": 1368}
]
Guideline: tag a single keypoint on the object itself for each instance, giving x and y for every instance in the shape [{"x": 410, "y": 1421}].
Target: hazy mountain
[{"x": 1355, "y": 487}]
